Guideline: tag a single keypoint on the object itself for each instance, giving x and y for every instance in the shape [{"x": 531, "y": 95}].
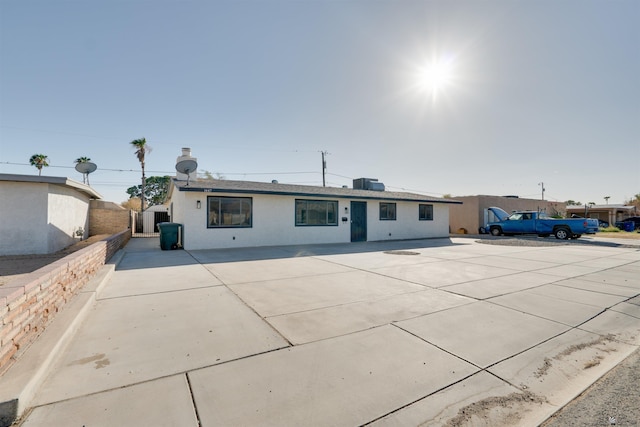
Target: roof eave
[{"x": 376, "y": 196}]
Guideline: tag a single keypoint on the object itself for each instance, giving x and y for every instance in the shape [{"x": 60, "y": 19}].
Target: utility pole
[
  {"x": 324, "y": 167},
  {"x": 542, "y": 185}
]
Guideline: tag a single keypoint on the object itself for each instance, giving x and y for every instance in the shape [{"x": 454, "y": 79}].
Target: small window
[
  {"x": 425, "y": 212},
  {"x": 387, "y": 211},
  {"x": 226, "y": 212},
  {"x": 316, "y": 212}
]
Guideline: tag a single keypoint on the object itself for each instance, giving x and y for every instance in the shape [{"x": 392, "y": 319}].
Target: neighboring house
[
  {"x": 472, "y": 215},
  {"x": 608, "y": 213},
  {"x": 228, "y": 214},
  {"x": 40, "y": 214}
]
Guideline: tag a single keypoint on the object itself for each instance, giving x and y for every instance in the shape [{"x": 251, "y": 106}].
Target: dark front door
[{"x": 358, "y": 221}]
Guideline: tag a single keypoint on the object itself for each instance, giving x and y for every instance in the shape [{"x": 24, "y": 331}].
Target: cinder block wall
[
  {"x": 107, "y": 218},
  {"x": 29, "y": 303}
]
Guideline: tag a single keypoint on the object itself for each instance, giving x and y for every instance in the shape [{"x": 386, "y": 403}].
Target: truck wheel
[
  {"x": 496, "y": 231},
  {"x": 562, "y": 234}
]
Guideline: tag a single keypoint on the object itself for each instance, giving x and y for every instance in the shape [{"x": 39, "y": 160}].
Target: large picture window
[
  {"x": 316, "y": 212},
  {"x": 387, "y": 211},
  {"x": 425, "y": 212},
  {"x": 229, "y": 212}
]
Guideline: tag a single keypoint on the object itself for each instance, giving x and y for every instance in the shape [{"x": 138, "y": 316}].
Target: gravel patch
[
  {"x": 523, "y": 241},
  {"x": 612, "y": 400}
]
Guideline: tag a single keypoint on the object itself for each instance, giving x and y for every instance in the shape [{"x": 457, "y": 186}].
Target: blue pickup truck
[{"x": 532, "y": 222}]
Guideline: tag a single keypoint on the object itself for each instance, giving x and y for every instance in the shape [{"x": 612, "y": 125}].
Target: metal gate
[
  {"x": 358, "y": 221},
  {"x": 145, "y": 224}
]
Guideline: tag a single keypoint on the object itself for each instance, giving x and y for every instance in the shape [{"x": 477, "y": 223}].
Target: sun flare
[{"x": 435, "y": 76}]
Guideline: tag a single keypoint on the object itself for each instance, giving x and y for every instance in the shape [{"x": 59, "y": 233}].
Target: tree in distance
[
  {"x": 141, "y": 150},
  {"x": 156, "y": 188},
  {"x": 39, "y": 161}
]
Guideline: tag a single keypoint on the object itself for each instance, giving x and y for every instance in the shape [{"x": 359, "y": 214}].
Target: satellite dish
[
  {"x": 85, "y": 168},
  {"x": 186, "y": 167}
]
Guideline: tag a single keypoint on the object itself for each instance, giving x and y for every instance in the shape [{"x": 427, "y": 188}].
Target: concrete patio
[{"x": 424, "y": 332}]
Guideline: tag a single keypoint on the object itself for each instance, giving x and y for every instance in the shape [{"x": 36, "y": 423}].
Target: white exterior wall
[
  {"x": 23, "y": 218},
  {"x": 68, "y": 210},
  {"x": 406, "y": 225},
  {"x": 40, "y": 218},
  {"x": 274, "y": 222}
]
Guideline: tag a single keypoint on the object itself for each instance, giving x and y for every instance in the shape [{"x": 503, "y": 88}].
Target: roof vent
[
  {"x": 367, "y": 184},
  {"x": 274, "y": 181}
]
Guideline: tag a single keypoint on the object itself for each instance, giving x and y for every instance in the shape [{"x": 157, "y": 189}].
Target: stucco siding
[
  {"x": 68, "y": 211},
  {"x": 407, "y": 224},
  {"x": 273, "y": 222},
  {"x": 470, "y": 215},
  {"x": 23, "y": 218}
]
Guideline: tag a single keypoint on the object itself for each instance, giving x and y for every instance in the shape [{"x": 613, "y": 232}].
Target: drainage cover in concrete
[{"x": 402, "y": 253}]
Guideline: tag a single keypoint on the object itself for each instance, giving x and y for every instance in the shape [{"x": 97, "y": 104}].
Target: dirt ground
[
  {"x": 612, "y": 400},
  {"x": 14, "y": 266}
]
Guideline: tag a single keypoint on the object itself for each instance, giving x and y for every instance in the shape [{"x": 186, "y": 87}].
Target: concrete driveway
[{"x": 395, "y": 333}]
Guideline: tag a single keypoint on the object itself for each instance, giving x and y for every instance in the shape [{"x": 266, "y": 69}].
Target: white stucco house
[
  {"x": 42, "y": 214},
  {"x": 230, "y": 214}
]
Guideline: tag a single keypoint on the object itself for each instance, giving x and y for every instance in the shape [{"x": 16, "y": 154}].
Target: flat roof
[
  {"x": 56, "y": 180},
  {"x": 250, "y": 187},
  {"x": 601, "y": 207}
]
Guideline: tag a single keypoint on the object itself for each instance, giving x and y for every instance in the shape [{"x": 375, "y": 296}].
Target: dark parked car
[{"x": 634, "y": 219}]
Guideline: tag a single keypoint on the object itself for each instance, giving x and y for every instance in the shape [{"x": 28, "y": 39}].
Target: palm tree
[
  {"x": 39, "y": 161},
  {"x": 141, "y": 149}
]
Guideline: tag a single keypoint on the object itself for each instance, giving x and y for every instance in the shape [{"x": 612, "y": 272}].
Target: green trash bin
[{"x": 170, "y": 235}]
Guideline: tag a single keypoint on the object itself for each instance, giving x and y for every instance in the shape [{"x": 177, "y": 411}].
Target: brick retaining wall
[{"x": 30, "y": 302}]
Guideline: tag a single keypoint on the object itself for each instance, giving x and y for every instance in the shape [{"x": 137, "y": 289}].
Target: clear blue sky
[{"x": 537, "y": 91}]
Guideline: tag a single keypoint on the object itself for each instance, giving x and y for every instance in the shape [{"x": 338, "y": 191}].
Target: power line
[
  {"x": 167, "y": 172},
  {"x": 263, "y": 173},
  {"x": 72, "y": 167},
  {"x": 236, "y": 174}
]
